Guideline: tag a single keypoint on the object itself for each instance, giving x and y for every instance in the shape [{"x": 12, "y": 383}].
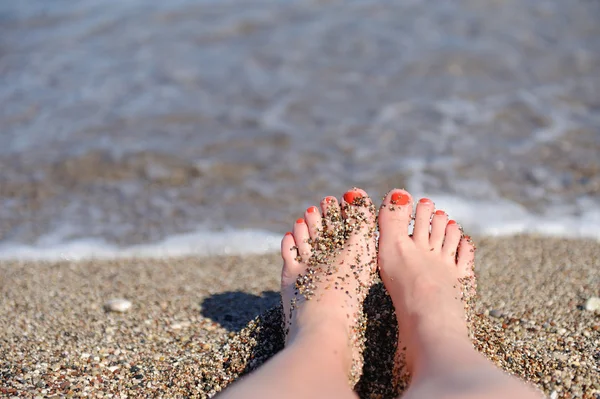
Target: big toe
[
  {"x": 359, "y": 213},
  {"x": 395, "y": 215}
]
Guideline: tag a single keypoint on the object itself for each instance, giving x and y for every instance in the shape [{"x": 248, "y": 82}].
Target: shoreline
[{"x": 190, "y": 329}]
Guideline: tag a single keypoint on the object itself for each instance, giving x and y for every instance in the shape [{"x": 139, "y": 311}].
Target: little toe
[
  {"x": 313, "y": 219},
  {"x": 423, "y": 221},
  {"x": 332, "y": 214},
  {"x": 451, "y": 239},
  {"x": 292, "y": 267},
  {"x": 438, "y": 230},
  {"x": 466, "y": 257},
  {"x": 395, "y": 214},
  {"x": 302, "y": 238}
]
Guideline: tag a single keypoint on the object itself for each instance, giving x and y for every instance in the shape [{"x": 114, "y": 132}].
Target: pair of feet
[{"x": 330, "y": 260}]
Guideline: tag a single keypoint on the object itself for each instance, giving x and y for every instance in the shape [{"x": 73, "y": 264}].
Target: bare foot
[
  {"x": 422, "y": 272},
  {"x": 329, "y": 264}
]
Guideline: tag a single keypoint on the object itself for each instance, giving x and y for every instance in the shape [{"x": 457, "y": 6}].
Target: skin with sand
[{"x": 330, "y": 260}]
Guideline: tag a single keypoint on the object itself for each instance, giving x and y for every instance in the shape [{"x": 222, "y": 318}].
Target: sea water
[{"x": 158, "y": 128}]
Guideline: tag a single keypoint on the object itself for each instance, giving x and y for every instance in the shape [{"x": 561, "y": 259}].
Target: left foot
[{"x": 329, "y": 263}]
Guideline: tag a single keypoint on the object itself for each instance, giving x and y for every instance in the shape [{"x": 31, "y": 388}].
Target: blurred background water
[{"x": 192, "y": 124}]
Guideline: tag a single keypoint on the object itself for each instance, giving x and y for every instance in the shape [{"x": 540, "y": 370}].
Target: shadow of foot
[
  {"x": 378, "y": 378},
  {"x": 233, "y": 310}
]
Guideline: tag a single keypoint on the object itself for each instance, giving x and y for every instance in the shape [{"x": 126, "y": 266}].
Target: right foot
[{"x": 423, "y": 274}]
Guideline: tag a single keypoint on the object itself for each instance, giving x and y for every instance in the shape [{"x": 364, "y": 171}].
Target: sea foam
[{"x": 493, "y": 218}]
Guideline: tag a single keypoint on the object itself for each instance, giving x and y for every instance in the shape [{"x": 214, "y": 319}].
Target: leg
[
  {"x": 423, "y": 274},
  {"x": 329, "y": 264},
  {"x": 314, "y": 365}
]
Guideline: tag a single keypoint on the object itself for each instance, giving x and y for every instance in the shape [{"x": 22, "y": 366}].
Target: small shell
[
  {"x": 117, "y": 305},
  {"x": 593, "y": 304}
]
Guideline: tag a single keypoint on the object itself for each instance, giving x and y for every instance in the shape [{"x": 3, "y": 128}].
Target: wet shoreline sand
[{"x": 187, "y": 332}]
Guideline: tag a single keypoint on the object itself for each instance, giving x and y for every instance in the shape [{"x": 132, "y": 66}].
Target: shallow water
[{"x": 129, "y": 122}]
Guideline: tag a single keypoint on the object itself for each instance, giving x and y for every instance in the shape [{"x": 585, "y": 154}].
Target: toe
[
  {"x": 292, "y": 268},
  {"x": 451, "y": 239},
  {"x": 438, "y": 229},
  {"x": 423, "y": 222},
  {"x": 358, "y": 211},
  {"x": 313, "y": 221},
  {"x": 395, "y": 214},
  {"x": 302, "y": 239},
  {"x": 466, "y": 257},
  {"x": 332, "y": 214}
]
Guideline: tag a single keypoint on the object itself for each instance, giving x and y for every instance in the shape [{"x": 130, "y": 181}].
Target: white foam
[
  {"x": 198, "y": 243},
  {"x": 502, "y": 217},
  {"x": 479, "y": 218}
]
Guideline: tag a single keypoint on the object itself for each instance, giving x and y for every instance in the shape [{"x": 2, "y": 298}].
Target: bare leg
[
  {"x": 335, "y": 256},
  {"x": 422, "y": 275}
]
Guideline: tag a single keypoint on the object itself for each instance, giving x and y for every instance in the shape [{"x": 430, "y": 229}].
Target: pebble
[
  {"x": 495, "y": 313},
  {"x": 117, "y": 305},
  {"x": 593, "y": 304},
  {"x": 180, "y": 325}
]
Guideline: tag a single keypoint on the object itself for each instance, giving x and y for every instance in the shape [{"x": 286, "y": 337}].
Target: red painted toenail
[
  {"x": 425, "y": 201},
  {"x": 400, "y": 199},
  {"x": 330, "y": 200},
  {"x": 451, "y": 221},
  {"x": 300, "y": 221},
  {"x": 352, "y": 196},
  {"x": 289, "y": 233},
  {"x": 312, "y": 209},
  {"x": 440, "y": 212}
]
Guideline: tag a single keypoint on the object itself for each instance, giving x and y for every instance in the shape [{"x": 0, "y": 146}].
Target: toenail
[
  {"x": 330, "y": 200},
  {"x": 451, "y": 221},
  {"x": 352, "y": 196},
  {"x": 312, "y": 209},
  {"x": 289, "y": 233},
  {"x": 440, "y": 212},
  {"x": 425, "y": 201},
  {"x": 400, "y": 199},
  {"x": 300, "y": 221}
]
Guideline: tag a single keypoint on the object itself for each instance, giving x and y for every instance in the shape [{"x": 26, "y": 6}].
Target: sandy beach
[{"x": 191, "y": 329}]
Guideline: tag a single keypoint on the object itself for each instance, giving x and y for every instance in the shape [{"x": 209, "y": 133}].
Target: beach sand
[{"x": 190, "y": 331}]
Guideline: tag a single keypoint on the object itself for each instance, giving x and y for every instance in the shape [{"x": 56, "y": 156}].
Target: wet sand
[{"x": 190, "y": 331}]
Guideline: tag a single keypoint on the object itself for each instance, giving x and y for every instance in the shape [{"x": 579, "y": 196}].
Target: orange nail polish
[
  {"x": 312, "y": 209},
  {"x": 440, "y": 212},
  {"x": 425, "y": 201},
  {"x": 329, "y": 200},
  {"x": 289, "y": 233},
  {"x": 300, "y": 221},
  {"x": 451, "y": 221},
  {"x": 352, "y": 196},
  {"x": 400, "y": 199}
]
